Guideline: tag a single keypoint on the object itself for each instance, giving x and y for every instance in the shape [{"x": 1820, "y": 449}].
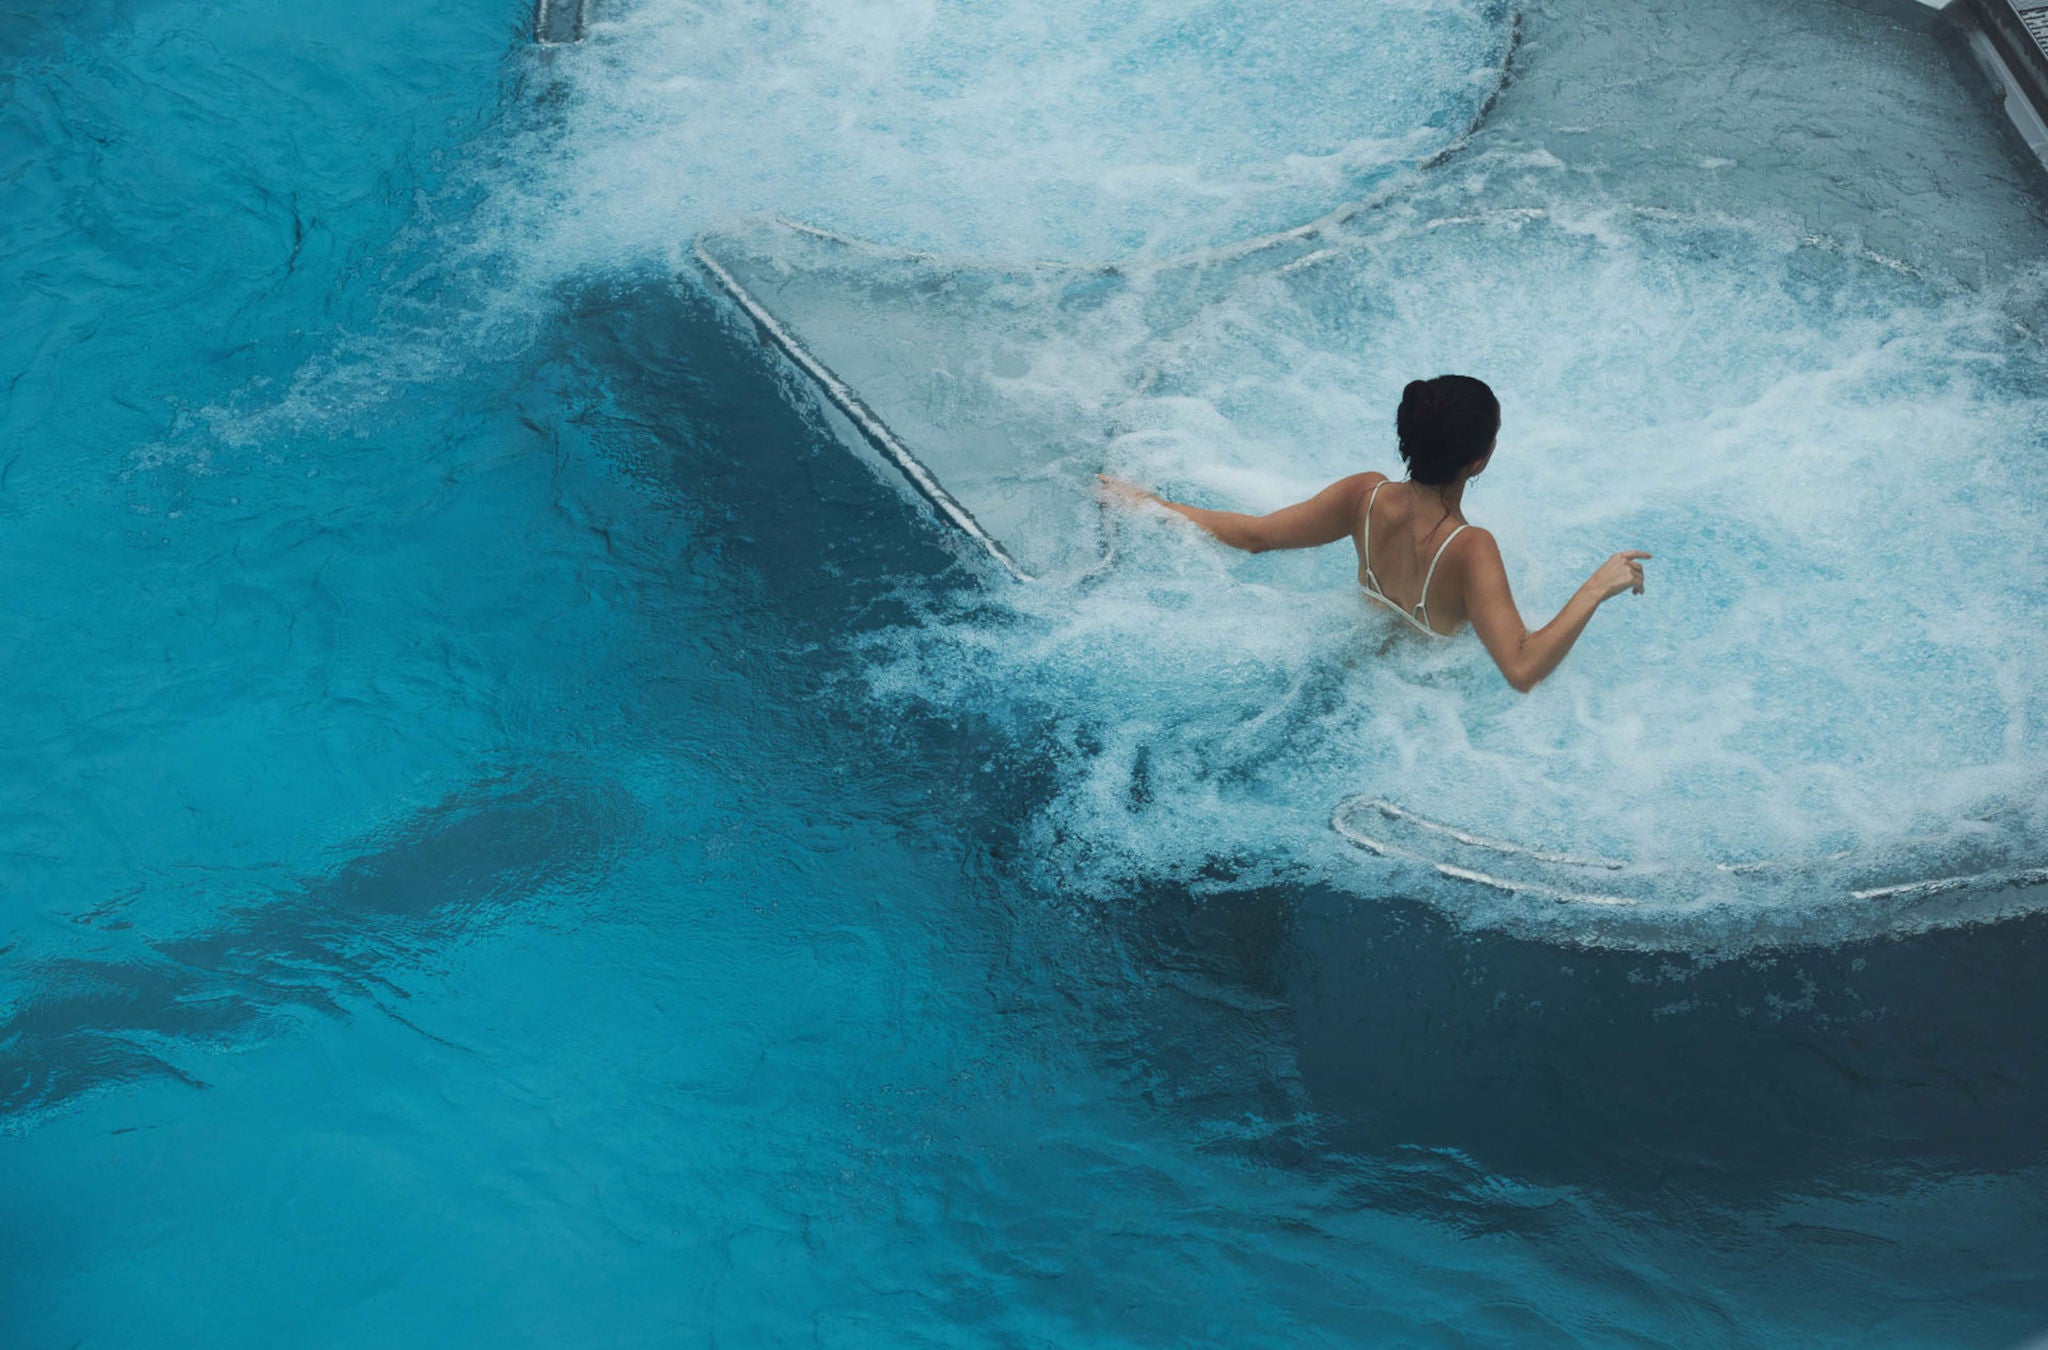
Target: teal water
[{"x": 502, "y": 845}]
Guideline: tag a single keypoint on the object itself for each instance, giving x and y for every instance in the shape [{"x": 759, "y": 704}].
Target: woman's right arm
[
  {"x": 1525, "y": 657},
  {"x": 1322, "y": 519}
]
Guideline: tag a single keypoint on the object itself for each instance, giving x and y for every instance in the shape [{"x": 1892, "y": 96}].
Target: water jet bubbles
[
  {"x": 1836, "y": 463},
  {"x": 1823, "y": 665},
  {"x": 999, "y": 128}
]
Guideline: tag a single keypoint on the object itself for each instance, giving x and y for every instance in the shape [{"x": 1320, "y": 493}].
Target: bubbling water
[
  {"x": 1832, "y": 452},
  {"x": 1006, "y": 129},
  {"x": 1841, "y": 651}
]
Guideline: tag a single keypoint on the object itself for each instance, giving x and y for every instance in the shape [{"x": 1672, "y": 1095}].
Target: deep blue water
[{"x": 465, "y": 881}]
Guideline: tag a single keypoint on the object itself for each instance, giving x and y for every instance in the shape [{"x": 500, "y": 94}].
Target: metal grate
[
  {"x": 556, "y": 22},
  {"x": 2036, "y": 23},
  {"x": 2013, "y": 36}
]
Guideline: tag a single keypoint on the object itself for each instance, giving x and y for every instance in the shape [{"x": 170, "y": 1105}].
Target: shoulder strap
[
  {"x": 1429, "y": 576},
  {"x": 1370, "y": 498}
]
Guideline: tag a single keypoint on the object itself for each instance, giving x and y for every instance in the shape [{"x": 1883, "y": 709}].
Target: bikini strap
[
  {"x": 1370, "y": 498},
  {"x": 1429, "y": 576}
]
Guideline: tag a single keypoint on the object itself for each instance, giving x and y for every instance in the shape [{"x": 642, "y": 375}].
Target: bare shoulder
[
  {"x": 1359, "y": 486},
  {"x": 1475, "y": 547},
  {"x": 1348, "y": 494},
  {"x": 1353, "y": 484},
  {"x": 1477, "y": 538}
]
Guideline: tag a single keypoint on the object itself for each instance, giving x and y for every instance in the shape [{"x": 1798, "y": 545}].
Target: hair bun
[{"x": 1444, "y": 424}]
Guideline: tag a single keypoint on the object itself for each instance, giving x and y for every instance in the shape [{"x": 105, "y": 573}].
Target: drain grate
[
  {"x": 558, "y": 22},
  {"x": 2034, "y": 18}
]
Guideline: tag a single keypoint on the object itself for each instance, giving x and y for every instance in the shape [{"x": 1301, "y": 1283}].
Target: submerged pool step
[
  {"x": 1380, "y": 827},
  {"x": 1914, "y": 885},
  {"x": 866, "y": 422},
  {"x": 919, "y": 359}
]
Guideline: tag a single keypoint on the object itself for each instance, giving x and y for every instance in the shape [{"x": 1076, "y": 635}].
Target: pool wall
[{"x": 2009, "y": 39}]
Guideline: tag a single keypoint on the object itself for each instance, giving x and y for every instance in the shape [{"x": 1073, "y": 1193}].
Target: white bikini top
[{"x": 1420, "y": 615}]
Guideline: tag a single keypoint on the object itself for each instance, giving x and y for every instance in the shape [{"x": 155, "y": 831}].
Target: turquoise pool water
[{"x": 513, "y": 835}]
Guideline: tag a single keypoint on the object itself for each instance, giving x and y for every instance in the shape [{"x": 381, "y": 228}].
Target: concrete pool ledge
[{"x": 2009, "y": 39}]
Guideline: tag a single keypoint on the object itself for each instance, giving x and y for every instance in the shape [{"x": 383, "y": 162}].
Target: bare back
[
  {"x": 1411, "y": 548},
  {"x": 1407, "y": 555}
]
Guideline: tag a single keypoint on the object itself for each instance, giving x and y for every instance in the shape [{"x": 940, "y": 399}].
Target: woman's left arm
[{"x": 1324, "y": 518}]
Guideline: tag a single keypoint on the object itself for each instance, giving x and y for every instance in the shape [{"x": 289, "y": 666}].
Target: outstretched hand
[
  {"x": 1115, "y": 491},
  {"x": 1622, "y": 572}
]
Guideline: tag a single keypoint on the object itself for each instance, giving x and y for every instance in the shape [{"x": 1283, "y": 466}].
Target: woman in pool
[{"x": 1417, "y": 556}]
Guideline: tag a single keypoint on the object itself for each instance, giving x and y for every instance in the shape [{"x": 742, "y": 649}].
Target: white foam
[
  {"x": 1836, "y": 462},
  {"x": 1756, "y": 353},
  {"x": 1011, "y": 129}
]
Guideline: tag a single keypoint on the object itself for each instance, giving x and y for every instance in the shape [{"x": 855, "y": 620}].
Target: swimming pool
[{"x": 515, "y": 834}]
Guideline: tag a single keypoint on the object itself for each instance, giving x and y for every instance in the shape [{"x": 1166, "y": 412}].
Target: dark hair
[{"x": 1445, "y": 424}]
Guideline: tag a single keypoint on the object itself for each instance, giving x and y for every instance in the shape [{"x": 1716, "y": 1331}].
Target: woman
[{"x": 1417, "y": 556}]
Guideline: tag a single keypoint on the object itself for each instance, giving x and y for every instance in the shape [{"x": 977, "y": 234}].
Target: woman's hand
[
  {"x": 1116, "y": 492},
  {"x": 1622, "y": 572}
]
